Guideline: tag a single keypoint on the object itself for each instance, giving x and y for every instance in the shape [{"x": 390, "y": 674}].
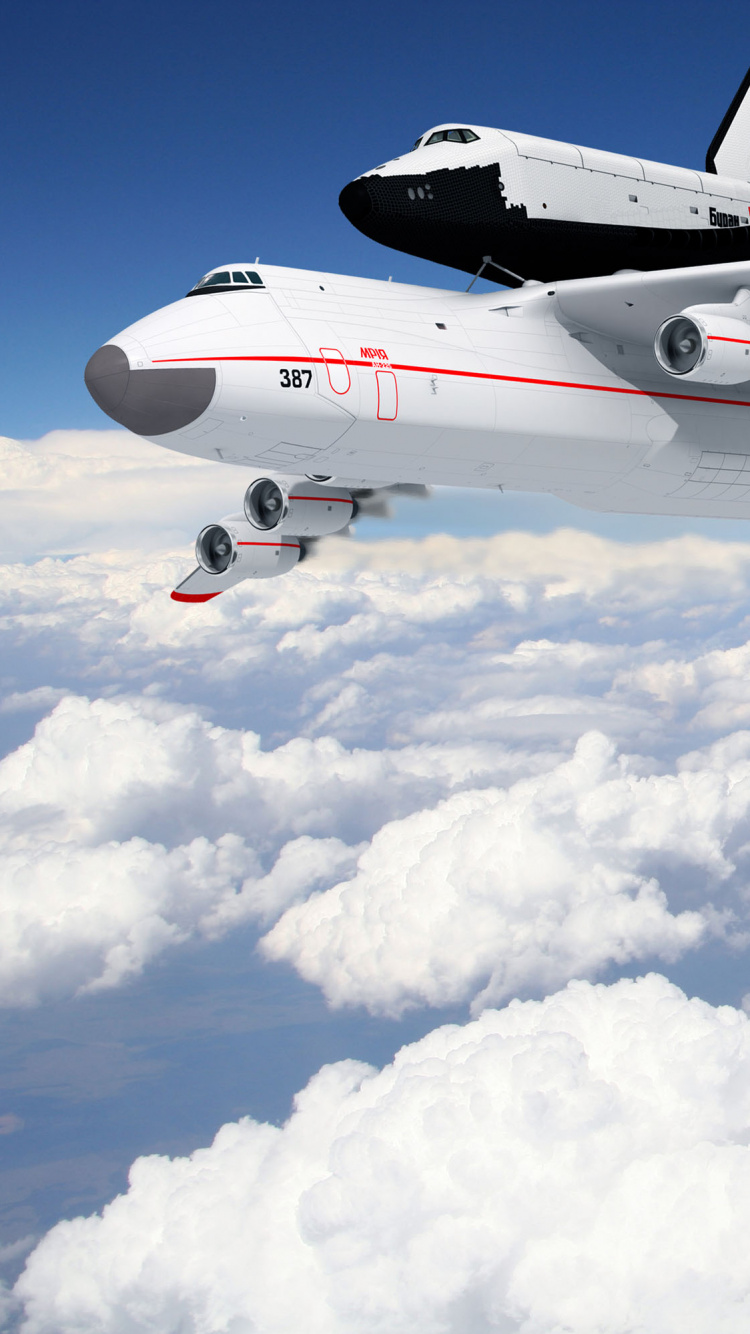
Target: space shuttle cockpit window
[{"x": 457, "y": 136}]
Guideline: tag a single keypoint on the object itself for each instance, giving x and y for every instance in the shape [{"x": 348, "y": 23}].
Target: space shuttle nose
[
  {"x": 152, "y": 401},
  {"x": 355, "y": 202}
]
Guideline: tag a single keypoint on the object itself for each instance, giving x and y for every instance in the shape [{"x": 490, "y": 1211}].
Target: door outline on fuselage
[
  {"x": 338, "y": 372},
  {"x": 387, "y": 395}
]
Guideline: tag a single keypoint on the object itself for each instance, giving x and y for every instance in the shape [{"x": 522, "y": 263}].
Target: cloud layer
[
  {"x": 428, "y": 773},
  {"x": 438, "y": 771},
  {"x": 577, "y": 1164},
  {"x": 130, "y": 825},
  {"x": 77, "y": 491}
]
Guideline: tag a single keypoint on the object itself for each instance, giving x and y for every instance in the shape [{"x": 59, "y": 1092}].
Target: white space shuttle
[{"x": 518, "y": 207}]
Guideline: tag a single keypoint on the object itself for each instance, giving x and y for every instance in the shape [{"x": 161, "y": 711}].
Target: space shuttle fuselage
[{"x": 523, "y": 207}]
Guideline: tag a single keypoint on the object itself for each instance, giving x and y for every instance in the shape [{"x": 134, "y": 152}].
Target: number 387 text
[{"x": 295, "y": 379}]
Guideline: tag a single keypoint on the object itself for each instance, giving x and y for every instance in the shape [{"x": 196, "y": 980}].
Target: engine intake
[
  {"x": 266, "y": 505},
  {"x": 707, "y": 344},
  {"x": 214, "y": 549}
]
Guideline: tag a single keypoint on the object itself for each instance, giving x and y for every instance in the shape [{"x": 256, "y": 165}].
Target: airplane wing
[
  {"x": 630, "y": 307},
  {"x": 729, "y": 150}
]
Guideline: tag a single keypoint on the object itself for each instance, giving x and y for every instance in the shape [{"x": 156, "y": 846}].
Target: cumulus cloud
[
  {"x": 113, "y": 848},
  {"x": 132, "y": 824},
  {"x": 578, "y": 1164},
  {"x": 556, "y": 876}
]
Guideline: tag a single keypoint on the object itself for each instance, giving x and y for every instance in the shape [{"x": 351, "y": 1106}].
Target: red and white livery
[{"x": 628, "y": 393}]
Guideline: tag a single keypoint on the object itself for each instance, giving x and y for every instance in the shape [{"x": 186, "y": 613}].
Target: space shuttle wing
[{"x": 630, "y": 307}]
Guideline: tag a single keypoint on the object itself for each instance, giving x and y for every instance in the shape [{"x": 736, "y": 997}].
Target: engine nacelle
[
  {"x": 235, "y": 546},
  {"x": 232, "y": 550},
  {"x": 301, "y": 507},
  {"x": 707, "y": 344}
]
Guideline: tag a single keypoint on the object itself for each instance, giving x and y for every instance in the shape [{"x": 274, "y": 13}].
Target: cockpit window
[
  {"x": 418, "y": 142},
  {"x": 213, "y": 279},
  {"x": 245, "y": 279},
  {"x": 452, "y": 136}
]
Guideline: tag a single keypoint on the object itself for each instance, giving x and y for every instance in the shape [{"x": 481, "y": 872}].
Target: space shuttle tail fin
[{"x": 729, "y": 150}]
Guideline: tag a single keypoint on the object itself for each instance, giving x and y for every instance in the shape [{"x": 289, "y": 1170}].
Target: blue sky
[{"x": 142, "y": 146}]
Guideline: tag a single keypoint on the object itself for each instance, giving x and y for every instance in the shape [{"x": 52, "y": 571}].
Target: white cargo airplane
[
  {"x": 626, "y": 393},
  {"x": 518, "y": 207}
]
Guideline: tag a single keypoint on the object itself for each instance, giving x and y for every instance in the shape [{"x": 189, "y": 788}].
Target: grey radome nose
[{"x": 153, "y": 401}]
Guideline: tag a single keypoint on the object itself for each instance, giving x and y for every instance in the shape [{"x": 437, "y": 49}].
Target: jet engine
[
  {"x": 232, "y": 550},
  {"x": 707, "y": 344},
  {"x": 301, "y": 507}
]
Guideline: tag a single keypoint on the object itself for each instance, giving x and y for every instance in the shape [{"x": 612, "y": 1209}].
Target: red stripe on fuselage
[{"x": 487, "y": 375}]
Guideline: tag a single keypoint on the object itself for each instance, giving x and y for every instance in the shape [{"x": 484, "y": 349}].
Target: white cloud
[
  {"x": 494, "y": 891},
  {"x": 131, "y": 824},
  {"x": 423, "y": 698},
  {"x": 578, "y": 1165},
  {"x": 390, "y": 678},
  {"x": 115, "y": 845},
  {"x": 75, "y": 491}
]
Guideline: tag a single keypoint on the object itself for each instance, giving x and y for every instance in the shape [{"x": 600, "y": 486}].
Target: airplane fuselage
[{"x": 371, "y": 383}]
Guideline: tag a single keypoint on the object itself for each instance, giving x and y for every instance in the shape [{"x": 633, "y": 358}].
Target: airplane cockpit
[
  {"x": 228, "y": 280},
  {"x": 458, "y": 135}
]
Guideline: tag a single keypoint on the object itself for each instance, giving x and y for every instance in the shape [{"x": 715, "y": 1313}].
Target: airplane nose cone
[
  {"x": 153, "y": 401},
  {"x": 355, "y": 202}
]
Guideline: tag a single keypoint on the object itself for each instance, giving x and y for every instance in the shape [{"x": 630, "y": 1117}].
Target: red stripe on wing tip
[{"x": 193, "y": 597}]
